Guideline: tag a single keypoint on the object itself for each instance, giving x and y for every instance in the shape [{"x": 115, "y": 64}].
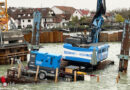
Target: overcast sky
[{"x": 78, "y": 4}]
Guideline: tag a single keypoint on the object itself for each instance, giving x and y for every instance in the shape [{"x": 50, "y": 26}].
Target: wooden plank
[
  {"x": 19, "y": 71},
  {"x": 12, "y": 62},
  {"x": 56, "y": 76},
  {"x": 37, "y": 73},
  {"x": 75, "y": 76}
]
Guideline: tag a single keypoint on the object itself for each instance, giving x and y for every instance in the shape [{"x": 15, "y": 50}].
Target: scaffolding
[{"x": 3, "y": 16}]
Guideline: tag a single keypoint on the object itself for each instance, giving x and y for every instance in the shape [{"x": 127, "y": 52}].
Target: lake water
[{"x": 107, "y": 76}]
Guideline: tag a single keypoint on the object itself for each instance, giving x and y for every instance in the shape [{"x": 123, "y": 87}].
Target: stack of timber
[
  {"x": 12, "y": 46},
  {"x": 47, "y": 37}
]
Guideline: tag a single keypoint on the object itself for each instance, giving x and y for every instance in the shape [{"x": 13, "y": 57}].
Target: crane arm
[
  {"x": 98, "y": 20},
  {"x": 36, "y": 28}
]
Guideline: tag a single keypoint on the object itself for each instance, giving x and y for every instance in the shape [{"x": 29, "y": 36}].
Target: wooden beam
[
  {"x": 19, "y": 70},
  {"x": 37, "y": 73},
  {"x": 125, "y": 45},
  {"x": 56, "y": 76},
  {"x": 75, "y": 76}
]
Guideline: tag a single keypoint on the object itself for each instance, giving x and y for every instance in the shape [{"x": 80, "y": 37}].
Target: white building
[
  {"x": 63, "y": 10},
  {"x": 61, "y": 20},
  {"x": 24, "y": 18},
  {"x": 81, "y": 13}
]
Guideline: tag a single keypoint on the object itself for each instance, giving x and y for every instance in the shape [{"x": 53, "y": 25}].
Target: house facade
[
  {"x": 24, "y": 18},
  {"x": 61, "y": 20},
  {"x": 63, "y": 15},
  {"x": 81, "y": 13}
]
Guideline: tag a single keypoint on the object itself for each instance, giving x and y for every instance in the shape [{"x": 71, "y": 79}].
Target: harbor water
[{"x": 107, "y": 76}]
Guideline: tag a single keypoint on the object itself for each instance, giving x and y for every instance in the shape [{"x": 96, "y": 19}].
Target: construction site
[{"x": 36, "y": 56}]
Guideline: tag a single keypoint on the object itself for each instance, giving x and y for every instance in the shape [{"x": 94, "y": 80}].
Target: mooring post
[
  {"x": 125, "y": 45},
  {"x": 56, "y": 76},
  {"x": 12, "y": 63},
  {"x": 97, "y": 78},
  {"x": 37, "y": 73},
  {"x": 19, "y": 70},
  {"x": 85, "y": 32},
  {"x": 117, "y": 78},
  {"x": 75, "y": 76}
]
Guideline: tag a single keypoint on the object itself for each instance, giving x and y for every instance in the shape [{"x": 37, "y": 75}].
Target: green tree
[
  {"x": 119, "y": 18},
  {"x": 75, "y": 20},
  {"x": 82, "y": 20},
  {"x": 77, "y": 23},
  {"x": 74, "y": 23}
]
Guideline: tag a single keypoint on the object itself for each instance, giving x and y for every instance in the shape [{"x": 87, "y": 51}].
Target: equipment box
[{"x": 70, "y": 69}]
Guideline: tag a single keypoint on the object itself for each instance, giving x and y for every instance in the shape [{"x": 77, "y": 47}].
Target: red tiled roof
[
  {"x": 66, "y": 9},
  {"x": 83, "y": 12}
]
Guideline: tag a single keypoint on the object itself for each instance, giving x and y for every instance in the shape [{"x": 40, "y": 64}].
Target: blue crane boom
[
  {"x": 96, "y": 27},
  {"x": 98, "y": 20},
  {"x": 36, "y": 28}
]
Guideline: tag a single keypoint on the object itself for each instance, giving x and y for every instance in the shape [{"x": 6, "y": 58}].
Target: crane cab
[{"x": 47, "y": 62}]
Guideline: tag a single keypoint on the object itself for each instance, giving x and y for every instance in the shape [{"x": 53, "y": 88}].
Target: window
[
  {"x": 45, "y": 20},
  {"x": 19, "y": 15},
  {"x": 29, "y": 20},
  {"x": 29, "y": 15},
  {"x": 21, "y": 10},
  {"x": 46, "y": 61},
  {"x": 24, "y": 15},
  {"x": 103, "y": 50},
  {"x": 29, "y": 26},
  {"x": 19, "y": 27}
]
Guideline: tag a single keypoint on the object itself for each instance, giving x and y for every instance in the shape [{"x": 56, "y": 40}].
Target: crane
[
  {"x": 85, "y": 48},
  {"x": 36, "y": 28},
  {"x": 98, "y": 20},
  {"x": 96, "y": 27}
]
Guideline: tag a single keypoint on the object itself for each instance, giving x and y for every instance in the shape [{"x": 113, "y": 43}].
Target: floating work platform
[
  {"x": 12, "y": 46},
  {"x": 47, "y": 66},
  {"x": 64, "y": 75}
]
